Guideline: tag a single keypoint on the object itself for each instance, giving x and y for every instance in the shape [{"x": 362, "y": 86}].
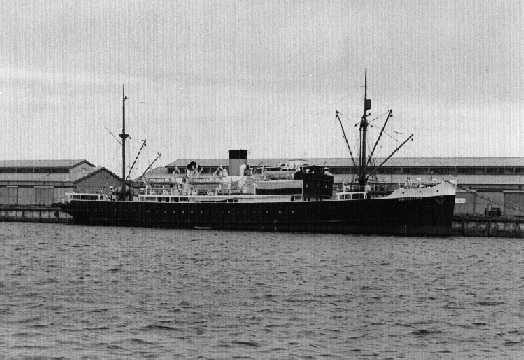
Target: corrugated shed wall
[
  {"x": 4, "y": 195},
  {"x": 26, "y": 196},
  {"x": 12, "y": 195},
  {"x": 487, "y": 199},
  {"x": 468, "y": 199},
  {"x": 59, "y": 193},
  {"x": 514, "y": 203},
  {"x": 44, "y": 195}
]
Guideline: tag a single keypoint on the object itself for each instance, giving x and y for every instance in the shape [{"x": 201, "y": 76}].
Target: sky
[{"x": 203, "y": 77}]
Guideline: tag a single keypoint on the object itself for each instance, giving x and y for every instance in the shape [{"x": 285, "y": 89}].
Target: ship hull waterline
[{"x": 426, "y": 216}]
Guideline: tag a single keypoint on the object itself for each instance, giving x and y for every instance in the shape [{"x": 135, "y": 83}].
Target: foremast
[
  {"x": 365, "y": 168},
  {"x": 123, "y": 136},
  {"x": 363, "y": 127}
]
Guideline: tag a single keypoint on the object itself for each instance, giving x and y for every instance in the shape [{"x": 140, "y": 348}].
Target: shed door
[
  {"x": 44, "y": 195},
  {"x": 26, "y": 196},
  {"x": 12, "y": 195},
  {"x": 3, "y": 195}
]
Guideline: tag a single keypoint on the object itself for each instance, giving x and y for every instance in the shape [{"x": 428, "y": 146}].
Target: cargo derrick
[{"x": 365, "y": 168}]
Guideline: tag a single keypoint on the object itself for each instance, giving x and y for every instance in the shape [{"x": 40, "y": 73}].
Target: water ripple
[{"x": 102, "y": 292}]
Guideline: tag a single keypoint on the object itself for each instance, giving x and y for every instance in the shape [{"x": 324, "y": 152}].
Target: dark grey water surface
[{"x": 107, "y": 292}]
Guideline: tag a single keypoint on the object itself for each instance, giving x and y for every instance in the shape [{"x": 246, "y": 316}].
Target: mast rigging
[
  {"x": 410, "y": 137},
  {"x": 390, "y": 114},
  {"x": 337, "y": 115}
]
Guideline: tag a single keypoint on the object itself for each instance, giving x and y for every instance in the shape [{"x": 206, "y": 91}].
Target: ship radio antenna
[{"x": 123, "y": 136}]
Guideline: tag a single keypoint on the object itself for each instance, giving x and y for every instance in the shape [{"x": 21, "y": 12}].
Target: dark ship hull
[{"x": 399, "y": 216}]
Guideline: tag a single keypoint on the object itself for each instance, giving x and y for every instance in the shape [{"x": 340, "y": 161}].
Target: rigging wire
[
  {"x": 113, "y": 135},
  {"x": 337, "y": 115}
]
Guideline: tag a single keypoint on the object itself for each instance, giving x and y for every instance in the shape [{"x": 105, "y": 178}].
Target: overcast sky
[{"x": 204, "y": 77}]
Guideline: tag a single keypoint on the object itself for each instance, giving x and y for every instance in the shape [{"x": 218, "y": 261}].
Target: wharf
[
  {"x": 489, "y": 226},
  {"x": 34, "y": 213}
]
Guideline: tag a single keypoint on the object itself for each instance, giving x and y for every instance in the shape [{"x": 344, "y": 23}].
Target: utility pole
[{"x": 123, "y": 136}]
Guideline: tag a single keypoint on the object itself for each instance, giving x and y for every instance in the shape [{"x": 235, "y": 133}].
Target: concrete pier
[
  {"x": 488, "y": 226},
  {"x": 48, "y": 214}
]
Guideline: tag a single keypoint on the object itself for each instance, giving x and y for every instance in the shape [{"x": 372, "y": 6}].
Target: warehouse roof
[
  {"x": 48, "y": 171},
  {"x": 394, "y": 162},
  {"x": 61, "y": 163},
  {"x": 49, "y": 176},
  {"x": 92, "y": 172}
]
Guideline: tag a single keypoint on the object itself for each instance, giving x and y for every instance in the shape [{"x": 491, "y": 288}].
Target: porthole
[
  {"x": 292, "y": 211},
  {"x": 280, "y": 211},
  {"x": 182, "y": 211},
  {"x": 267, "y": 211}
]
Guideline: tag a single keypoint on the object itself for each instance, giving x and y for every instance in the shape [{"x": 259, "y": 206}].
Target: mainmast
[
  {"x": 123, "y": 136},
  {"x": 362, "y": 163}
]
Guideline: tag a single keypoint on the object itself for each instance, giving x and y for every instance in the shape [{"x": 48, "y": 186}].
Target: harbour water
[{"x": 106, "y": 292}]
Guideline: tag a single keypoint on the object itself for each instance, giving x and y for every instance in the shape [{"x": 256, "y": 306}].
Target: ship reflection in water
[{"x": 117, "y": 292}]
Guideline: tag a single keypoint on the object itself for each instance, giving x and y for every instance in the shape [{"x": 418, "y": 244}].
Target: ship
[{"x": 302, "y": 198}]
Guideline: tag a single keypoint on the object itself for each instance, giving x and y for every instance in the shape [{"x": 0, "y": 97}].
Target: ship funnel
[{"x": 237, "y": 160}]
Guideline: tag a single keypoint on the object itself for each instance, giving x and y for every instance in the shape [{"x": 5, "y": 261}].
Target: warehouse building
[
  {"x": 44, "y": 182},
  {"x": 485, "y": 184}
]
